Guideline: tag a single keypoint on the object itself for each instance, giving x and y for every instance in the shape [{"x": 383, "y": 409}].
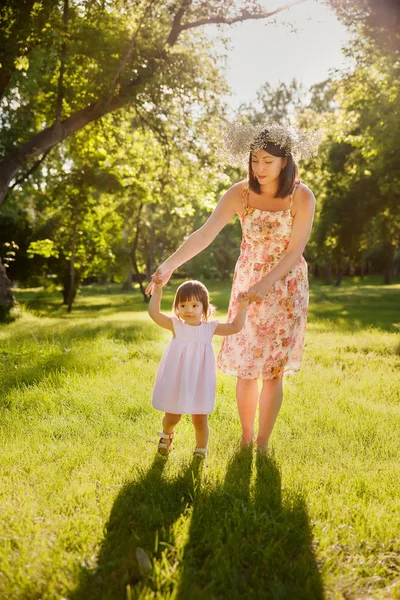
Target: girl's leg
[
  {"x": 271, "y": 397},
  {"x": 169, "y": 421},
  {"x": 247, "y": 396},
  {"x": 200, "y": 423}
]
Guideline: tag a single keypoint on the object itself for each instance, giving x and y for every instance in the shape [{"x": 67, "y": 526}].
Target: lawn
[{"x": 90, "y": 511}]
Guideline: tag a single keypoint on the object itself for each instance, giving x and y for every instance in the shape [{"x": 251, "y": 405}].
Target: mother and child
[{"x": 264, "y": 335}]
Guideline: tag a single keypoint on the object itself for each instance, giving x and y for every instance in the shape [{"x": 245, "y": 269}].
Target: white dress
[{"x": 186, "y": 377}]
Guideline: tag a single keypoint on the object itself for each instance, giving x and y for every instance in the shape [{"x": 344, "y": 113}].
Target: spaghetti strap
[
  {"x": 245, "y": 197},
  {"x": 296, "y": 183}
]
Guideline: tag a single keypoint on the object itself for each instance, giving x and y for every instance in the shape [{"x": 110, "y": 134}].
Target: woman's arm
[
  {"x": 228, "y": 205},
  {"x": 154, "y": 310},
  {"x": 301, "y": 229}
]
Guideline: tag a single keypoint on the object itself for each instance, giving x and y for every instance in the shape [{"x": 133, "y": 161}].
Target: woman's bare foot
[{"x": 245, "y": 443}]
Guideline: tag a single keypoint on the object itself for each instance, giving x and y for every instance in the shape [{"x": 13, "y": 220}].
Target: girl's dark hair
[
  {"x": 287, "y": 176},
  {"x": 193, "y": 290}
]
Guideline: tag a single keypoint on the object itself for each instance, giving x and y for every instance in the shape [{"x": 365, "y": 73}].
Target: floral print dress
[{"x": 270, "y": 344}]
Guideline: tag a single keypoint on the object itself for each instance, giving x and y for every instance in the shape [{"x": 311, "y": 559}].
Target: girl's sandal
[
  {"x": 200, "y": 453},
  {"x": 164, "y": 445}
]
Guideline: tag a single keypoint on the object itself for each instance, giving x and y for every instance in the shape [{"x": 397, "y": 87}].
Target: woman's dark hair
[
  {"x": 287, "y": 176},
  {"x": 193, "y": 290}
]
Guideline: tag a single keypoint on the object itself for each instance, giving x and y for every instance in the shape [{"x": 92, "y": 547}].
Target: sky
[{"x": 261, "y": 51}]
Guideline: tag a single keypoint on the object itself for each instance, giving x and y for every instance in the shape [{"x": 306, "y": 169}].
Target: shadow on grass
[
  {"x": 249, "y": 546},
  {"x": 242, "y": 543},
  {"x": 143, "y": 513}
]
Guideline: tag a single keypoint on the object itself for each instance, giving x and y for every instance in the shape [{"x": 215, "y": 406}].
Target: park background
[{"x": 112, "y": 114}]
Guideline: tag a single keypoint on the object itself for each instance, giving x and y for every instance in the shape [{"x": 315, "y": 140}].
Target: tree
[
  {"x": 275, "y": 104},
  {"x": 90, "y": 59},
  {"x": 356, "y": 173},
  {"x": 6, "y": 296},
  {"x": 377, "y": 21}
]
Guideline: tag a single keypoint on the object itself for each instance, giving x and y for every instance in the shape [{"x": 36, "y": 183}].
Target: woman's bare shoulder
[
  {"x": 237, "y": 189},
  {"x": 234, "y": 195},
  {"x": 303, "y": 196}
]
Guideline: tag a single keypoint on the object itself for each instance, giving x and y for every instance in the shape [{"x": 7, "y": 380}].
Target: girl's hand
[
  {"x": 160, "y": 277},
  {"x": 243, "y": 299},
  {"x": 259, "y": 290}
]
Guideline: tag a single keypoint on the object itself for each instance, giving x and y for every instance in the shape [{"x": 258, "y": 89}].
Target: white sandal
[
  {"x": 164, "y": 445},
  {"x": 200, "y": 453}
]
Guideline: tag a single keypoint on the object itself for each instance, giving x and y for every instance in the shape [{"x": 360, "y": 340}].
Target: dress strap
[
  {"x": 296, "y": 183},
  {"x": 245, "y": 196}
]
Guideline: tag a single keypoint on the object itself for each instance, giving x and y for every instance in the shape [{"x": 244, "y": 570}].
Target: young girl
[{"x": 186, "y": 378}]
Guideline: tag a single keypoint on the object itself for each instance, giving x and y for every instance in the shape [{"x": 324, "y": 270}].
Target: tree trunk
[
  {"x": 328, "y": 273},
  {"x": 340, "y": 274},
  {"x": 389, "y": 266},
  {"x": 133, "y": 254},
  {"x": 363, "y": 268},
  {"x": 127, "y": 285},
  {"x": 7, "y": 300},
  {"x": 72, "y": 283}
]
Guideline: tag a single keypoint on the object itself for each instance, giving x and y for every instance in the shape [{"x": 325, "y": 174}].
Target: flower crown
[{"x": 242, "y": 138}]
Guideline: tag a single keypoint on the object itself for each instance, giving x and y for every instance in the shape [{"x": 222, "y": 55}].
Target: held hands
[
  {"x": 243, "y": 299},
  {"x": 259, "y": 290},
  {"x": 159, "y": 278}
]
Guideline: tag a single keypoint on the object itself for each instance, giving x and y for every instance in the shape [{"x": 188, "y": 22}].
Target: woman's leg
[
  {"x": 271, "y": 397},
  {"x": 169, "y": 421},
  {"x": 200, "y": 423},
  {"x": 247, "y": 396}
]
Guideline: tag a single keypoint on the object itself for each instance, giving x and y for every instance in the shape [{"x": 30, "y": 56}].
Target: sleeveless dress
[
  {"x": 186, "y": 377},
  {"x": 270, "y": 344}
]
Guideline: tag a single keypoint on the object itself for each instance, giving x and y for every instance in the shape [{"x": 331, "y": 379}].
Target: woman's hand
[
  {"x": 259, "y": 290},
  {"x": 160, "y": 277}
]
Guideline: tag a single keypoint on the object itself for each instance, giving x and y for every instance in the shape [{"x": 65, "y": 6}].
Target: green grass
[{"x": 82, "y": 486}]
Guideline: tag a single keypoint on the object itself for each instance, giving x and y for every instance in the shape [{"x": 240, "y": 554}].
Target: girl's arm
[
  {"x": 154, "y": 309},
  {"x": 236, "y": 325},
  {"x": 228, "y": 205},
  {"x": 301, "y": 229}
]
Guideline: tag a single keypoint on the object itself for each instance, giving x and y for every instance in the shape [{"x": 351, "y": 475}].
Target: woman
[{"x": 276, "y": 213}]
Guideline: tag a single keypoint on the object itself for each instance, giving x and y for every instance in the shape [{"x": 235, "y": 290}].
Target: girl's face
[
  {"x": 266, "y": 167},
  {"x": 191, "y": 311}
]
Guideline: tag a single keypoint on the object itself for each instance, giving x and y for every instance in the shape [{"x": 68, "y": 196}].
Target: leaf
[{"x": 143, "y": 560}]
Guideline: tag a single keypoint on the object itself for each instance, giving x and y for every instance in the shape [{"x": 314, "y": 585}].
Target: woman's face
[{"x": 266, "y": 167}]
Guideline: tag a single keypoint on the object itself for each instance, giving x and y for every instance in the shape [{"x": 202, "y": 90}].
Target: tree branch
[
  {"x": 60, "y": 91},
  {"x": 46, "y": 139},
  {"x": 176, "y": 23},
  {"x": 127, "y": 56},
  {"x": 245, "y": 16},
  {"x": 160, "y": 134},
  {"x": 33, "y": 168}
]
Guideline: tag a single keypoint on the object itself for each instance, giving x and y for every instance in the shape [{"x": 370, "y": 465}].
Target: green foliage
[
  {"x": 275, "y": 104},
  {"x": 45, "y": 248},
  {"x": 374, "y": 20},
  {"x": 355, "y": 176}
]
